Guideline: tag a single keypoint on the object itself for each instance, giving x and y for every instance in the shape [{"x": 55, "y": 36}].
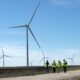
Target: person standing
[
  {"x": 64, "y": 65},
  {"x": 47, "y": 66},
  {"x": 54, "y": 66},
  {"x": 59, "y": 65}
]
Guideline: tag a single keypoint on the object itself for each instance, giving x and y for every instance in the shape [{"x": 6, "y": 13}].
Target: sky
[{"x": 56, "y": 26}]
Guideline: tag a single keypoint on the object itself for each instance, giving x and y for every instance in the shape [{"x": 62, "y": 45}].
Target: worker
[
  {"x": 54, "y": 66},
  {"x": 64, "y": 65},
  {"x": 47, "y": 66},
  {"x": 59, "y": 65}
]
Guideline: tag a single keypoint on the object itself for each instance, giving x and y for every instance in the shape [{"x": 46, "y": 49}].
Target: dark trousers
[
  {"x": 54, "y": 69},
  {"x": 64, "y": 69},
  {"x": 59, "y": 68},
  {"x": 47, "y": 69}
]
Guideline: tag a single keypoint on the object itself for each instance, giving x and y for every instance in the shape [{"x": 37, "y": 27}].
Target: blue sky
[{"x": 56, "y": 26}]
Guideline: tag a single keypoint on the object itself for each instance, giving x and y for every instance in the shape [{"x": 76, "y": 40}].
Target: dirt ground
[{"x": 70, "y": 75}]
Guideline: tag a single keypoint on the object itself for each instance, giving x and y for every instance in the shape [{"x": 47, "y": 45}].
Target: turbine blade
[
  {"x": 8, "y": 56},
  {"x": 73, "y": 55},
  {"x": 34, "y": 13},
  {"x": 18, "y": 26},
  {"x": 1, "y": 57},
  {"x": 19, "y": 57},
  {"x": 68, "y": 58},
  {"x": 72, "y": 60},
  {"x": 2, "y": 50},
  {"x": 47, "y": 58},
  {"x": 41, "y": 59},
  {"x": 34, "y": 37},
  {"x": 42, "y": 52}
]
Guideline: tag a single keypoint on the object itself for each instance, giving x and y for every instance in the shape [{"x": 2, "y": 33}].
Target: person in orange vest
[
  {"x": 47, "y": 66},
  {"x": 54, "y": 66}
]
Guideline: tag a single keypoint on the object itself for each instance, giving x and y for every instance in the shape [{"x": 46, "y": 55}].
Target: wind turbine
[
  {"x": 31, "y": 63},
  {"x": 44, "y": 58},
  {"x": 27, "y": 26},
  {"x": 71, "y": 58},
  {"x": 3, "y": 56}
]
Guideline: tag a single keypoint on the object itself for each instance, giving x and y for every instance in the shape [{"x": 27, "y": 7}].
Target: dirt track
[{"x": 71, "y": 75}]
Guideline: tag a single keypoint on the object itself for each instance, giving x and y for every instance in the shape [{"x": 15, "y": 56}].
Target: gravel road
[{"x": 70, "y": 75}]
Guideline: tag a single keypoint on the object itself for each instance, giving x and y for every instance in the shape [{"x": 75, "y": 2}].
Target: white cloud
[
  {"x": 60, "y": 54},
  {"x": 19, "y": 55},
  {"x": 66, "y": 2},
  {"x": 18, "y": 52}
]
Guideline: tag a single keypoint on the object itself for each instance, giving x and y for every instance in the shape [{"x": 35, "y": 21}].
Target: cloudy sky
[{"x": 56, "y": 26}]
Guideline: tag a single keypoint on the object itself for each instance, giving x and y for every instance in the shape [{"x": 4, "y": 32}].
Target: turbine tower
[
  {"x": 3, "y": 56},
  {"x": 27, "y": 26}
]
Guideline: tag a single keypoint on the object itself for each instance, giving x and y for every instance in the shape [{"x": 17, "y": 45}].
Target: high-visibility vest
[
  {"x": 59, "y": 64},
  {"x": 65, "y": 64},
  {"x": 53, "y": 64}
]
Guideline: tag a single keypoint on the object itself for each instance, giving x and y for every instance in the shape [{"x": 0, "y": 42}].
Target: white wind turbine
[
  {"x": 3, "y": 56},
  {"x": 27, "y": 27},
  {"x": 44, "y": 58},
  {"x": 72, "y": 59}
]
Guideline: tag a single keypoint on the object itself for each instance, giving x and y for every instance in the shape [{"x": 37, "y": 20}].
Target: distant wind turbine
[
  {"x": 3, "y": 56},
  {"x": 44, "y": 58},
  {"x": 31, "y": 63},
  {"x": 71, "y": 58},
  {"x": 27, "y": 26}
]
